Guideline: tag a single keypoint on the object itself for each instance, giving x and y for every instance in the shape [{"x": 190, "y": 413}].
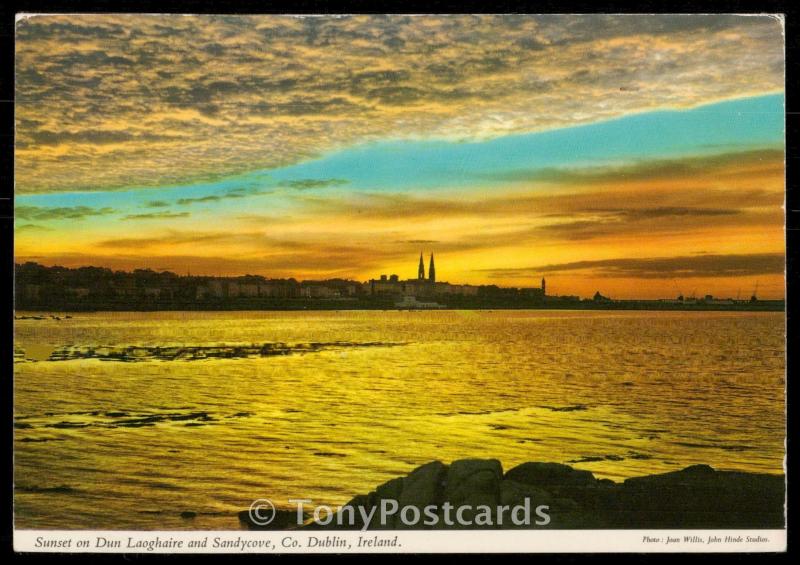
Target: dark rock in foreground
[
  {"x": 281, "y": 520},
  {"x": 695, "y": 497}
]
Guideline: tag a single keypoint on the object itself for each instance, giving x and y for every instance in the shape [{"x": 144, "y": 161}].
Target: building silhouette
[
  {"x": 56, "y": 288},
  {"x": 421, "y": 286}
]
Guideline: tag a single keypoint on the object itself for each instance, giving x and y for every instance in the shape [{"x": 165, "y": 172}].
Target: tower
[
  {"x": 421, "y": 274},
  {"x": 544, "y": 288},
  {"x": 431, "y": 271}
]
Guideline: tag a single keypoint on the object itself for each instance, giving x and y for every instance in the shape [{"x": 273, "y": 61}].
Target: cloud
[
  {"x": 667, "y": 211},
  {"x": 116, "y": 101},
  {"x": 730, "y": 161},
  {"x": 633, "y": 221},
  {"x": 172, "y": 238},
  {"x": 309, "y": 249},
  {"x": 60, "y": 213},
  {"x": 95, "y": 137},
  {"x": 732, "y": 190},
  {"x": 255, "y": 253},
  {"x": 306, "y": 184},
  {"x": 625, "y": 205},
  {"x": 232, "y": 193},
  {"x": 30, "y": 227},
  {"x": 209, "y": 198},
  {"x": 156, "y": 216},
  {"x": 688, "y": 266},
  {"x": 157, "y": 204},
  {"x": 198, "y": 200}
]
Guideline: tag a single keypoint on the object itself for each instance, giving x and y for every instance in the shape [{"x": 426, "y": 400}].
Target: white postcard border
[{"x": 401, "y": 541}]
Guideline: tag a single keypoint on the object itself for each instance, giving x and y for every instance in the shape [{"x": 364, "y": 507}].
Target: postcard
[{"x": 399, "y": 283}]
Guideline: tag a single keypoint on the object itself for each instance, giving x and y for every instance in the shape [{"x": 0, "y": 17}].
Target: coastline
[
  {"x": 96, "y": 289},
  {"x": 696, "y": 497},
  {"x": 330, "y": 305}
]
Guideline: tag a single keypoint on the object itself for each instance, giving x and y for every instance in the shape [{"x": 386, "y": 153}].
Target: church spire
[
  {"x": 421, "y": 274},
  {"x": 432, "y": 271}
]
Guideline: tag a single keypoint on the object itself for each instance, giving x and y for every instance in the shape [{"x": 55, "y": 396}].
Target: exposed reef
[{"x": 137, "y": 353}]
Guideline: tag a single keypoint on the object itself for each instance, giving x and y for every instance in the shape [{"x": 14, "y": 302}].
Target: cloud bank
[
  {"x": 706, "y": 265},
  {"x": 107, "y": 102}
]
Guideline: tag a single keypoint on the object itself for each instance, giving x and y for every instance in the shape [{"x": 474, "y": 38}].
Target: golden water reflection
[{"x": 109, "y": 444}]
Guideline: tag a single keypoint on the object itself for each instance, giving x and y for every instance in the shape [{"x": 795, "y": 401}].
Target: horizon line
[{"x": 188, "y": 275}]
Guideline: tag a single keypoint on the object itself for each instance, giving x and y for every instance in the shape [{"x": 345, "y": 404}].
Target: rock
[
  {"x": 390, "y": 490},
  {"x": 695, "y": 497},
  {"x": 690, "y": 475},
  {"x": 550, "y": 475},
  {"x": 283, "y": 520},
  {"x": 473, "y": 482},
  {"x": 422, "y": 487},
  {"x": 349, "y": 509},
  {"x": 700, "y": 497},
  {"x": 513, "y": 494},
  {"x": 467, "y": 477}
]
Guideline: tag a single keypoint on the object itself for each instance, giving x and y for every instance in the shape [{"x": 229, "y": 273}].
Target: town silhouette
[{"x": 56, "y": 288}]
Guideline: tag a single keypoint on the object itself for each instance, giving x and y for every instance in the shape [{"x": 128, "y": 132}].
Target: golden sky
[{"x": 635, "y": 155}]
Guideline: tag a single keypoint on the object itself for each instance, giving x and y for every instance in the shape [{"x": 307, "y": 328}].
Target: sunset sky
[{"x": 641, "y": 156}]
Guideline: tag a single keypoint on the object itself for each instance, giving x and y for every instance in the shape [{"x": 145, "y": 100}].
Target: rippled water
[{"x": 126, "y": 420}]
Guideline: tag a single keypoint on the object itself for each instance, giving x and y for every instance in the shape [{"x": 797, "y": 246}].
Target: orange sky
[{"x": 640, "y": 157}]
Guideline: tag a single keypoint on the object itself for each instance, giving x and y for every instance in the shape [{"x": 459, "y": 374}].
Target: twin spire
[{"x": 431, "y": 269}]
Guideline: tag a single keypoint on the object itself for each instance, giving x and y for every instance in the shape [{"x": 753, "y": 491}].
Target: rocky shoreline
[{"x": 695, "y": 497}]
